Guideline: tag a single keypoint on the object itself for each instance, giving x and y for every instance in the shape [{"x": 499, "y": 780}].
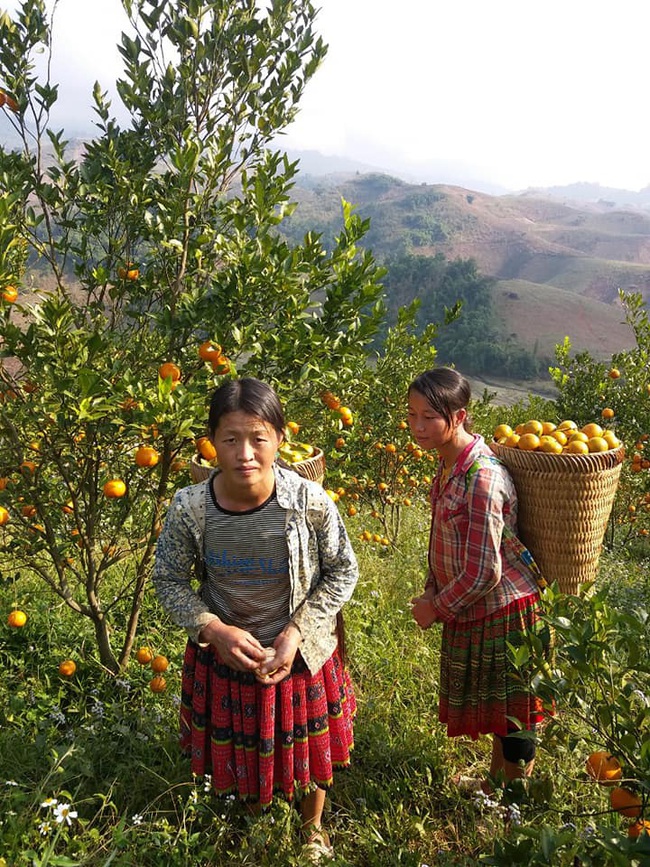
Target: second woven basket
[
  {"x": 564, "y": 505},
  {"x": 312, "y": 468}
]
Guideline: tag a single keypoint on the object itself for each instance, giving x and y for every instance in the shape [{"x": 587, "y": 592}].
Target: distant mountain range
[
  {"x": 558, "y": 266},
  {"x": 558, "y": 254},
  {"x": 445, "y": 172}
]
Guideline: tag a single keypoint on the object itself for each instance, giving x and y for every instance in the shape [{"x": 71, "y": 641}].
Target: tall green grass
[{"x": 108, "y": 746}]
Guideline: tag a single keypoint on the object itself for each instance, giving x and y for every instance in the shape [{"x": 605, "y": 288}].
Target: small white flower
[
  {"x": 513, "y": 814},
  {"x": 137, "y": 819},
  {"x": 63, "y": 813},
  {"x": 11, "y": 783},
  {"x": 45, "y": 828},
  {"x": 49, "y": 802}
]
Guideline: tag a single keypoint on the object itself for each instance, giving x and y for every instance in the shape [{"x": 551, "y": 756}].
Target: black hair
[
  {"x": 248, "y": 395},
  {"x": 446, "y": 390}
]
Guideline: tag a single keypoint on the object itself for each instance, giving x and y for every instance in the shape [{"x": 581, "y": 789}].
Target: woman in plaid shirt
[{"x": 478, "y": 590}]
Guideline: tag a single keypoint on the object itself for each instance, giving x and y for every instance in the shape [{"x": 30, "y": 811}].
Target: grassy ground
[{"x": 107, "y": 747}]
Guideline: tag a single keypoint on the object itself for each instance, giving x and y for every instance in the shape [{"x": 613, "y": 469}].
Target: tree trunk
[{"x": 102, "y": 634}]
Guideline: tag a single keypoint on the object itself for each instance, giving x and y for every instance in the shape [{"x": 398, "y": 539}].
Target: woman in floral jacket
[{"x": 266, "y": 700}]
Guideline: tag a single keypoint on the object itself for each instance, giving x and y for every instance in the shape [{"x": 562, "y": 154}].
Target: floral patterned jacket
[{"x": 323, "y": 569}]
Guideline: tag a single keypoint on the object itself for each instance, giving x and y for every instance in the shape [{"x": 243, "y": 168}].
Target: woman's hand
[
  {"x": 236, "y": 647},
  {"x": 277, "y": 667},
  {"x": 422, "y": 610}
]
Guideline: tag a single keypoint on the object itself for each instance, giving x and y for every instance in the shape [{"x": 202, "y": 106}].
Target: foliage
[
  {"x": 599, "y": 684},
  {"x": 373, "y": 463},
  {"x": 107, "y": 745},
  {"x": 586, "y": 387},
  {"x": 163, "y": 236}
]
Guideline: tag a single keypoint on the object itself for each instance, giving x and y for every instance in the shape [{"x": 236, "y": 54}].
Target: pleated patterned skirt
[
  {"x": 256, "y": 740},
  {"x": 480, "y": 689}
]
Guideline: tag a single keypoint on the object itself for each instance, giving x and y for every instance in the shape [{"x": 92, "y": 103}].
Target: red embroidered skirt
[
  {"x": 255, "y": 739},
  {"x": 479, "y": 687}
]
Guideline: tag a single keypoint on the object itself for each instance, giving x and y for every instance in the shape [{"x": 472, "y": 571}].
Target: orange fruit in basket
[
  {"x": 567, "y": 424},
  {"x": 528, "y": 442},
  {"x": 612, "y": 440},
  {"x": 598, "y": 444},
  {"x": 579, "y": 435},
  {"x": 550, "y": 445},
  {"x": 592, "y": 430},
  {"x": 548, "y": 427},
  {"x": 502, "y": 430},
  {"x": 513, "y": 441},
  {"x": 560, "y": 436},
  {"x": 577, "y": 447},
  {"x": 533, "y": 427},
  {"x": 206, "y": 449}
]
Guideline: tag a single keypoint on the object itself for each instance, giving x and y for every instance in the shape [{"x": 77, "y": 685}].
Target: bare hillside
[{"x": 559, "y": 266}]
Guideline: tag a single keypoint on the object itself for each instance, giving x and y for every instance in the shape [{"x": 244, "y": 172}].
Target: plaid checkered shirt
[{"x": 470, "y": 570}]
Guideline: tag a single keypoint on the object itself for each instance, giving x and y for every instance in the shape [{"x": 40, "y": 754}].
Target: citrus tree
[
  {"x": 374, "y": 467},
  {"x": 618, "y": 391},
  {"x": 598, "y": 803},
  {"x": 136, "y": 276}
]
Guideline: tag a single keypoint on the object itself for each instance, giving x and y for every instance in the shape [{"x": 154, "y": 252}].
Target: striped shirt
[
  {"x": 247, "y": 567},
  {"x": 470, "y": 570},
  {"x": 322, "y": 567}
]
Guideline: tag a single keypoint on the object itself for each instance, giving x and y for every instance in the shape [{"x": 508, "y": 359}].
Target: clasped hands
[
  {"x": 243, "y": 652},
  {"x": 422, "y": 609}
]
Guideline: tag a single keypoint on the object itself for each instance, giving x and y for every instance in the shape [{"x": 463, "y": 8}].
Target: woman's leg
[
  {"x": 311, "y": 812},
  {"x": 513, "y": 769}
]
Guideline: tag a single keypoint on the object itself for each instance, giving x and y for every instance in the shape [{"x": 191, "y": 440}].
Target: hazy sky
[{"x": 515, "y": 92}]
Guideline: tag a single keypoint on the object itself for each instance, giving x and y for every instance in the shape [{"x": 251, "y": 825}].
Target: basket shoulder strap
[
  {"x": 479, "y": 463},
  {"x": 511, "y": 542}
]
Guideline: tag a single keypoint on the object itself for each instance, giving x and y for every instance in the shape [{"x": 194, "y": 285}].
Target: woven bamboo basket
[
  {"x": 312, "y": 468},
  {"x": 564, "y": 505}
]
